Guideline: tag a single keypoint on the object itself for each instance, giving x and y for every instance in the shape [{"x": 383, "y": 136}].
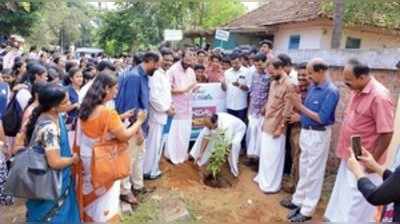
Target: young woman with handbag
[{"x": 102, "y": 144}]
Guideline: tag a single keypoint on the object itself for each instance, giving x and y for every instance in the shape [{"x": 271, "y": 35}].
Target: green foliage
[
  {"x": 381, "y": 13},
  {"x": 139, "y": 24},
  {"x": 218, "y": 13},
  {"x": 17, "y": 17},
  {"x": 222, "y": 147},
  {"x": 61, "y": 20}
]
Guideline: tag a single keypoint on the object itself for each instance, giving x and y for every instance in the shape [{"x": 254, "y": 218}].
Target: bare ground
[{"x": 242, "y": 203}]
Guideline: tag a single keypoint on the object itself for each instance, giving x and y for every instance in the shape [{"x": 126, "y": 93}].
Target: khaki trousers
[{"x": 136, "y": 177}]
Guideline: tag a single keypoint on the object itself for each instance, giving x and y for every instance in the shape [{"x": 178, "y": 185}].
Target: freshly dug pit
[{"x": 219, "y": 182}]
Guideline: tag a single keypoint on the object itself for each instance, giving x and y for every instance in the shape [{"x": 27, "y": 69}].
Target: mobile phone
[
  {"x": 133, "y": 118},
  {"x": 356, "y": 145}
]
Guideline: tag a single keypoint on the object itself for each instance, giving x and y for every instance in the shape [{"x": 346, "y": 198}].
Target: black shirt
[{"x": 388, "y": 192}]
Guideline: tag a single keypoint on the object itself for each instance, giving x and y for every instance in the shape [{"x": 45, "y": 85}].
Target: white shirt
[
  {"x": 23, "y": 96},
  {"x": 293, "y": 77},
  {"x": 9, "y": 58},
  {"x": 83, "y": 91},
  {"x": 236, "y": 99},
  {"x": 160, "y": 96},
  {"x": 230, "y": 124}
]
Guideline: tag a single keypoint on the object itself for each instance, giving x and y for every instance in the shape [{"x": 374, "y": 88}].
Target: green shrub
[{"x": 221, "y": 145}]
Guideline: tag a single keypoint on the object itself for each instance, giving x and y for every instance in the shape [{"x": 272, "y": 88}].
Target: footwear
[
  {"x": 143, "y": 191},
  {"x": 155, "y": 177},
  {"x": 300, "y": 218},
  {"x": 130, "y": 199},
  {"x": 150, "y": 177},
  {"x": 293, "y": 213},
  {"x": 287, "y": 203}
]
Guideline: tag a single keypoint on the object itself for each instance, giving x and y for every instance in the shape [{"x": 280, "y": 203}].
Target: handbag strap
[
  {"x": 59, "y": 202},
  {"x": 106, "y": 128},
  {"x": 42, "y": 120}
]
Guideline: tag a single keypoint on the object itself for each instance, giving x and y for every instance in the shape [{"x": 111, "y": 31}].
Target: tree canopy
[
  {"x": 380, "y": 13},
  {"x": 60, "y": 23},
  {"x": 17, "y": 17},
  {"x": 140, "y": 24}
]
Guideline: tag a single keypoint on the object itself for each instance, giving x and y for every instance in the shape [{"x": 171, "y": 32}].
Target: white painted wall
[
  {"x": 319, "y": 37},
  {"x": 375, "y": 58},
  {"x": 369, "y": 40},
  {"x": 310, "y": 37}
]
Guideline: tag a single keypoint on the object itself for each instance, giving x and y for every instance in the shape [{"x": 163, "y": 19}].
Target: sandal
[{"x": 130, "y": 199}]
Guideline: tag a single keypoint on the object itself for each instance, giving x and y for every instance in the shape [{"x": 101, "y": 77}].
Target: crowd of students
[{"x": 273, "y": 108}]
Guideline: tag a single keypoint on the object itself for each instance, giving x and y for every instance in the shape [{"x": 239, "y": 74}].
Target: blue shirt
[
  {"x": 323, "y": 100},
  {"x": 73, "y": 98},
  {"x": 133, "y": 91}
]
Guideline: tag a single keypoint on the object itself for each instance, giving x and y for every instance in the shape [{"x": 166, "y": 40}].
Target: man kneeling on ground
[{"x": 234, "y": 130}]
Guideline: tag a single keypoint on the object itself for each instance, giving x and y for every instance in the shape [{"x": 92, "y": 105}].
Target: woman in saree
[
  {"x": 46, "y": 128},
  {"x": 100, "y": 204}
]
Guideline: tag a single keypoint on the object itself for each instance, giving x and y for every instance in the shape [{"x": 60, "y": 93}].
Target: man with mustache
[
  {"x": 370, "y": 115},
  {"x": 303, "y": 80},
  {"x": 236, "y": 83},
  {"x": 134, "y": 94},
  {"x": 183, "y": 81},
  {"x": 273, "y": 136},
  {"x": 160, "y": 107},
  {"x": 317, "y": 117}
]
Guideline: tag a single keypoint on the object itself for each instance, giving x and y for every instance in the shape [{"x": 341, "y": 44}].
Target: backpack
[{"x": 12, "y": 117}]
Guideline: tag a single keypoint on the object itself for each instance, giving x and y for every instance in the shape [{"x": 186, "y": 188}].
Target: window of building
[
  {"x": 294, "y": 42},
  {"x": 353, "y": 43}
]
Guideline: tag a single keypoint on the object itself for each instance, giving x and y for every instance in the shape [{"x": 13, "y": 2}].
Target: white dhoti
[
  {"x": 347, "y": 204},
  {"x": 176, "y": 149},
  {"x": 233, "y": 159},
  {"x": 253, "y": 136},
  {"x": 272, "y": 159},
  {"x": 314, "y": 154},
  {"x": 153, "y": 150}
]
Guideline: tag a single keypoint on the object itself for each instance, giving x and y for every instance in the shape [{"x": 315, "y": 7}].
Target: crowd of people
[{"x": 66, "y": 103}]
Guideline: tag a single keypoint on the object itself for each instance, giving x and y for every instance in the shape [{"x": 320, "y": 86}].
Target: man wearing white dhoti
[
  {"x": 258, "y": 98},
  {"x": 160, "y": 108},
  {"x": 370, "y": 115},
  {"x": 183, "y": 80},
  {"x": 234, "y": 130},
  {"x": 277, "y": 110}
]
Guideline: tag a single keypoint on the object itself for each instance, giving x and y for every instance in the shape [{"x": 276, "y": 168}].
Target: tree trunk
[{"x": 338, "y": 24}]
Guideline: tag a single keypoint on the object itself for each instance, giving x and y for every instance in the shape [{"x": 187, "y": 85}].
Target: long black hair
[
  {"x": 33, "y": 69},
  {"x": 36, "y": 88},
  {"x": 96, "y": 94},
  {"x": 52, "y": 95}
]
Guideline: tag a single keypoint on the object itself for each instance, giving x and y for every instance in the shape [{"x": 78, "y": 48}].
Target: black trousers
[{"x": 288, "y": 155}]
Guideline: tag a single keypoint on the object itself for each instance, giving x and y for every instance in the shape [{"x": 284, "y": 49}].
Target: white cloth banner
[{"x": 209, "y": 99}]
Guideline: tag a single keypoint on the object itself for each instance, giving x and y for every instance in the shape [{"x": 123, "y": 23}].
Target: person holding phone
[
  {"x": 236, "y": 84},
  {"x": 370, "y": 114},
  {"x": 383, "y": 194},
  {"x": 133, "y": 94}
]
